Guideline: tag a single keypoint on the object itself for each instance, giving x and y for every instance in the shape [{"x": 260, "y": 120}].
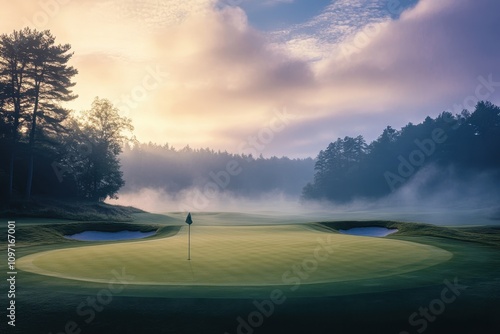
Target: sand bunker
[
  {"x": 109, "y": 236},
  {"x": 369, "y": 231}
]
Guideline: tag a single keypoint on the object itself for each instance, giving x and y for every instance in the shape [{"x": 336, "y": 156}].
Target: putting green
[{"x": 239, "y": 256}]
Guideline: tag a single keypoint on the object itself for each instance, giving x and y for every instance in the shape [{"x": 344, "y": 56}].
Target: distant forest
[
  {"x": 459, "y": 147},
  {"x": 164, "y": 167},
  {"x": 467, "y": 144}
]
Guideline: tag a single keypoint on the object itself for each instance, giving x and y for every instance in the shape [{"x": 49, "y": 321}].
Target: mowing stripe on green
[{"x": 239, "y": 256}]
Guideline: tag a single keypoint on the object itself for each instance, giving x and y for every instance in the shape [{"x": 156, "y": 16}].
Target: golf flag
[{"x": 189, "y": 221}]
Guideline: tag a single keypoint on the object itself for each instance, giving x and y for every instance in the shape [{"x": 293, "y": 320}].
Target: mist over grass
[
  {"x": 193, "y": 199},
  {"x": 445, "y": 171},
  {"x": 434, "y": 195}
]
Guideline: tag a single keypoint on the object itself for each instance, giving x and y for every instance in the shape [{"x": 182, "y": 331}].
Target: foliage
[
  {"x": 102, "y": 132},
  {"x": 40, "y": 140},
  {"x": 35, "y": 79},
  {"x": 348, "y": 168}
]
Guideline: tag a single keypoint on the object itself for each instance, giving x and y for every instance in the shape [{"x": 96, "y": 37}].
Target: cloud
[
  {"x": 402, "y": 70},
  {"x": 218, "y": 79},
  {"x": 434, "y": 52},
  {"x": 277, "y": 2},
  {"x": 319, "y": 36},
  {"x": 221, "y": 72}
]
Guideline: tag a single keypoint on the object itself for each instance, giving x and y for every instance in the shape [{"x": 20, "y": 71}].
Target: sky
[{"x": 276, "y": 77}]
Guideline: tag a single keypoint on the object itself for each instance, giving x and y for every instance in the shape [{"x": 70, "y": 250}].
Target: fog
[
  {"x": 432, "y": 196},
  {"x": 450, "y": 179},
  {"x": 177, "y": 174}
]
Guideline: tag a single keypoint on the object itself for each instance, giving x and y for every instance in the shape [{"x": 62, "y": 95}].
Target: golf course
[
  {"x": 260, "y": 274},
  {"x": 250, "y": 167}
]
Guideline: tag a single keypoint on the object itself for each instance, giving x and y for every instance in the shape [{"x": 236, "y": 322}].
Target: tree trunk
[
  {"x": 17, "y": 114},
  {"x": 11, "y": 173},
  {"x": 29, "y": 180},
  {"x": 13, "y": 150},
  {"x": 30, "y": 176}
]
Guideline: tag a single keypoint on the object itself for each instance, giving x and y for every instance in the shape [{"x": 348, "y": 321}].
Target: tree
[
  {"x": 50, "y": 82},
  {"x": 336, "y": 169},
  {"x": 14, "y": 60},
  {"x": 4, "y": 128},
  {"x": 38, "y": 76},
  {"x": 104, "y": 132},
  {"x": 4, "y": 141},
  {"x": 458, "y": 147}
]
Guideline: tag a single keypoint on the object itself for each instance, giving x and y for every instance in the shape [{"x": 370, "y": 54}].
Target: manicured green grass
[
  {"x": 362, "y": 287},
  {"x": 241, "y": 255}
]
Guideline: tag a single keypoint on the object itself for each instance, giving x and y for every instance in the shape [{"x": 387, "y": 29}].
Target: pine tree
[{"x": 39, "y": 78}]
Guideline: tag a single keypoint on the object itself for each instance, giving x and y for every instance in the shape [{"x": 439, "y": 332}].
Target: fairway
[{"x": 239, "y": 256}]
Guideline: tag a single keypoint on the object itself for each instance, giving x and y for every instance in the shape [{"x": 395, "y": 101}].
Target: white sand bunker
[
  {"x": 109, "y": 236},
  {"x": 369, "y": 231}
]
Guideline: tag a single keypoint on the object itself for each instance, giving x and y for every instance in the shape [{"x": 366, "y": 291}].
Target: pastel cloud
[{"x": 194, "y": 72}]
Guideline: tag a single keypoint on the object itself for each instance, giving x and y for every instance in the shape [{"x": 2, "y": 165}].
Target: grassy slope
[{"x": 66, "y": 209}]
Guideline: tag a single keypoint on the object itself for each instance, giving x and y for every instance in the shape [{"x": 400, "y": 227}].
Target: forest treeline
[
  {"x": 349, "y": 168},
  {"x": 45, "y": 148},
  {"x": 468, "y": 143},
  {"x": 174, "y": 170}
]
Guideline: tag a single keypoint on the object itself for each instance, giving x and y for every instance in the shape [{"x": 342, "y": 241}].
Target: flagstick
[{"x": 189, "y": 242}]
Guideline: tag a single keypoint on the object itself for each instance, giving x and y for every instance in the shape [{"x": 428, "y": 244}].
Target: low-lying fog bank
[{"x": 440, "y": 209}]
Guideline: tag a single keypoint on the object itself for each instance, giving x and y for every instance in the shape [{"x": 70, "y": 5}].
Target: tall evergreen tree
[
  {"x": 336, "y": 169},
  {"x": 39, "y": 79},
  {"x": 14, "y": 60},
  {"x": 468, "y": 143}
]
